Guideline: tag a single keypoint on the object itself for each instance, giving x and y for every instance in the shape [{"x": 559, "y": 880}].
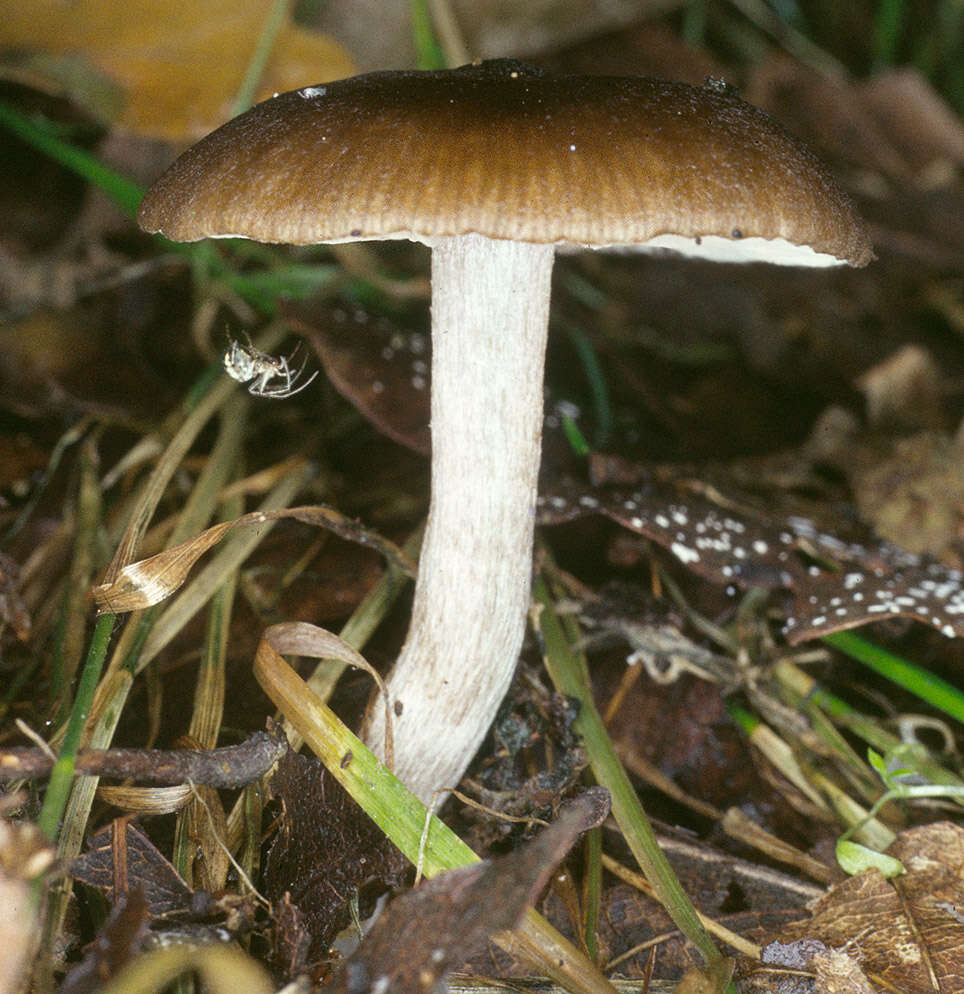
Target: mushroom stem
[{"x": 490, "y": 313}]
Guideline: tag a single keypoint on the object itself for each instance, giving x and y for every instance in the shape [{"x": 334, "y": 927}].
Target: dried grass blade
[
  {"x": 115, "y": 683},
  {"x": 72, "y": 626},
  {"x": 222, "y": 969},
  {"x": 147, "y": 800},
  {"x": 149, "y": 581},
  {"x": 212, "y": 576}
]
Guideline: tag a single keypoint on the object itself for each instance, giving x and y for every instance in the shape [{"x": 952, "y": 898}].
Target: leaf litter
[
  {"x": 899, "y": 935},
  {"x": 819, "y": 581},
  {"x": 835, "y": 584},
  {"x": 426, "y": 933}
]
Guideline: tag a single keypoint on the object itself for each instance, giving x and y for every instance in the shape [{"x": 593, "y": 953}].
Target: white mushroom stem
[{"x": 490, "y": 313}]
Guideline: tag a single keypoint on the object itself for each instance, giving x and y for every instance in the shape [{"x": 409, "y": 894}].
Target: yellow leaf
[{"x": 179, "y": 62}]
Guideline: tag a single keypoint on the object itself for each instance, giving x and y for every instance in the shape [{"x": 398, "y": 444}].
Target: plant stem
[{"x": 62, "y": 776}]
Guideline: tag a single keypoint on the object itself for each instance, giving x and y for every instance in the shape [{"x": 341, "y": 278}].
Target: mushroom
[{"x": 495, "y": 166}]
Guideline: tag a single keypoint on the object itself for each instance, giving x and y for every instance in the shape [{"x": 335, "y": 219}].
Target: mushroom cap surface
[{"x": 507, "y": 151}]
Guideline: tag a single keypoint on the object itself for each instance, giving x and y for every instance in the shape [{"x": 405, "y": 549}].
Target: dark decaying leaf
[
  {"x": 292, "y": 940},
  {"x": 164, "y": 890},
  {"x": 326, "y": 848},
  {"x": 905, "y": 934},
  {"x": 440, "y": 924},
  {"x": 118, "y": 942},
  {"x": 835, "y": 584},
  {"x": 384, "y": 371},
  {"x": 377, "y": 366}
]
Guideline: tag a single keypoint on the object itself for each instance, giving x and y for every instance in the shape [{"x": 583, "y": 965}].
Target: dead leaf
[
  {"x": 118, "y": 942},
  {"x": 838, "y": 973},
  {"x": 835, "y": 584},
  {"x": 915, "y": 119},
  {"x": 904, "y": 390},
  {"x": 442, "y": 923},
  {"x": 825, "y": 114},
  {"x": 381, "y": 33},
  {"x": 163, "y": 888},
  {"x": 901, "y": 935},
  {"x": 377, "y": 366},
  {"x": 180, "y": 62},
  {"x": 325, "y": 849}
]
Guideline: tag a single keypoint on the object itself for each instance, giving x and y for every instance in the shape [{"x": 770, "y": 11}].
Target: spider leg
[
  {"x": 284, "y": 371},
  {"x": 291, "y": 392},
  {"x": 297, "y": 375},
  {"x": 258, "y": 387},
  {"x": 266, "y": 368},
  {"x": 288, "y": 388}
]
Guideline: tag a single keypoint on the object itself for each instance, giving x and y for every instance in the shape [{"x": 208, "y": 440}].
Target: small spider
[{"x": 246, "y": 364}]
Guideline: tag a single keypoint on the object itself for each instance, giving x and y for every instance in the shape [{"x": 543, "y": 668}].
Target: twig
[{"x": 230, "y": 766}]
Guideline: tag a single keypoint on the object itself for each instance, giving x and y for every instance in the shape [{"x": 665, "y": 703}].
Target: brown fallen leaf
[
  {"x": 915, "y": 118},
  {"x": 904, "y": 390},
  {"x": 901, "y": 935},
  {"x": 162, "y": 888},
  {"x": 835, "y": 584},
  {"x": 838, "y": 973},
  {"x": 325, "y": 849},
  {"x": 807, "y": 965},
  {"x": 431, "y": 930},
  {"x": 825, "y": 114},
  {"x": 383, "y": 369},
  {"x": 379, "y": 367},
  {"x": 118, "y": 942}
]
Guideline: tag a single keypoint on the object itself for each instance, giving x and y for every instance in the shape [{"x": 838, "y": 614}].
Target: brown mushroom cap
[{"x": 507, "y": 151}]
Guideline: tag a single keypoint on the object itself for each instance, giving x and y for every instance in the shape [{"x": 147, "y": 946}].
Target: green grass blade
[
  {"x": 568, "y": 673},
  {"x": 42, "y": 135},
  {"x": 887, "y": 31},
  {"x": 274, "y": 22},
  {"x": 428, "y": 51},
  {"x": 422, "y": 837},
  {"x": 62, "y": 775},
  {"x": 928, "y": 687}
]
